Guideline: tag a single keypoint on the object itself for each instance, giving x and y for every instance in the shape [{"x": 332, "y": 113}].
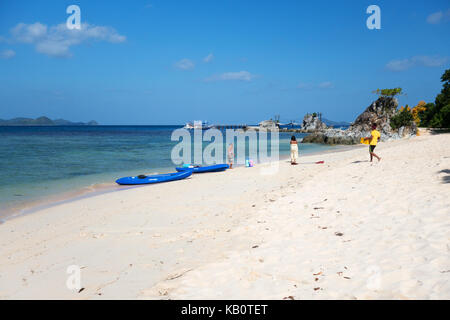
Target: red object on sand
[{"x": 319, "y": 162}]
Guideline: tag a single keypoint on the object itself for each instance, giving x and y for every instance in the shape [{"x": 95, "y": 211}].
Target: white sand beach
[{"x": 345, "y": 229}]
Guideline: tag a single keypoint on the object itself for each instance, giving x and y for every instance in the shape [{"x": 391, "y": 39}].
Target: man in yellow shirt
[{"x": 374, "y": 138}]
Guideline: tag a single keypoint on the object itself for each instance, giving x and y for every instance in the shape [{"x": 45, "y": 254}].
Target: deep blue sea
[{"x": 38, "y": 162}]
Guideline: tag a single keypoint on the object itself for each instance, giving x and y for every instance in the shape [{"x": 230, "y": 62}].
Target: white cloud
[
  {"x": 7, "y": 54},
  {"x": 29, "y": 33},
  {"x": 435, "y": 18},
  {"x": 208, "y": 58},
  {"x": 303, "y": 85},
  {"x": 439, "y": 16},
  {"x": 57, "y": 40},
  {"x": 239, "y": 76},
  {"x": 425, "y": 61},
  {"x": 322, "y": 85},
  {"x": 184, "y": 64},
  {"x": 326, "y": 85}
]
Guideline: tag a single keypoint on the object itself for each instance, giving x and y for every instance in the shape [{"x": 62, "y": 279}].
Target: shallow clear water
[{"x": 36, "y": 162}]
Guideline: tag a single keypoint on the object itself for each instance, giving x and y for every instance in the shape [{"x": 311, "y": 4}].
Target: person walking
[{"x": 373, "y": 140}]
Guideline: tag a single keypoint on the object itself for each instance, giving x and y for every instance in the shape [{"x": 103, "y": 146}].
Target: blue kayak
[
  {"x": 154, "y": 178},
  {"x": 201, "y": 169}
]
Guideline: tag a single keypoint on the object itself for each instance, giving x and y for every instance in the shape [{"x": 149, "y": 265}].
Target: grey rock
[
  {"x": 311, "y": 122},
  {"x": 379, "y": 112}
]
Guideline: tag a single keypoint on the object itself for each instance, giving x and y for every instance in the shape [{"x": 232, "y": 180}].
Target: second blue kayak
[
  {"x": 201, "y": 169},
  {"x": 154, "y": 178}
]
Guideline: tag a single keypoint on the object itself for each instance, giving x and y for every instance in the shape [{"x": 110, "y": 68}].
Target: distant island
[
  {"x": 44, "y": 121},
  {"x": 331, "y": 123}
]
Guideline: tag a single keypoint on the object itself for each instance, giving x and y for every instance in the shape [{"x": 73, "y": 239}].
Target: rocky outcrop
[
  {"x": 268, "y": 124},
  {"x": 311, "y": 122},
  {"x": 379, "y": 112},
  {"x": 332, "y": 136}
]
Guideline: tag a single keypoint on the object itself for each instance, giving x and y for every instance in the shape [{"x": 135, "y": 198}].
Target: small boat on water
[
  {"x": 158, "y": 178},
  {"x": 202, "y": 169},
  {"x": 202, "y": 125}
]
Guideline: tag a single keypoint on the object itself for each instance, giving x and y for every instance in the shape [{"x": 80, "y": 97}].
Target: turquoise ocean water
[{"x": 45, "y": 163}]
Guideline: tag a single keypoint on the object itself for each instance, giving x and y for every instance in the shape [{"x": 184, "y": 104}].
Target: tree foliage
[
  {"x": 388, "y": 92},
  {"x": 421, "y": 107},
  {"x": 437, "y": 114},
  {"x": 403, "y": 118}
]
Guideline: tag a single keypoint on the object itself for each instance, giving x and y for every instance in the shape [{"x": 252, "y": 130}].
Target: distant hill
[
  {"x": 44, "y": 121},
  {"x": 331, "y": 123}
]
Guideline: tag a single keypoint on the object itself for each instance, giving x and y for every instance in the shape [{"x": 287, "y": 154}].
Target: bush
[{"x": 402, "y": 119}]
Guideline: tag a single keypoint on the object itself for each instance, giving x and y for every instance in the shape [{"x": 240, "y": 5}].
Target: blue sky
[{"x": 168, "y": 62}]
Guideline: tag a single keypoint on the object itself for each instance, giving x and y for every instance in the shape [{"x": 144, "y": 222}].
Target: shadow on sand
[
  {"x": 360, "y": 161},
  {"x": 439, "y": 130},
  {"x": 445, "y": 179}
]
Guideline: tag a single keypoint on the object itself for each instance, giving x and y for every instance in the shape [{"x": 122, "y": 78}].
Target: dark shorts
[{"x": 371, "y": 148}]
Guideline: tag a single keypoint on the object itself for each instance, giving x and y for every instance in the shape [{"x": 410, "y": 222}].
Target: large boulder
[
  {"x": 331, "y": 136},
  {"x": 311, "y": 122},
  {"x": 380, "y": 113}
]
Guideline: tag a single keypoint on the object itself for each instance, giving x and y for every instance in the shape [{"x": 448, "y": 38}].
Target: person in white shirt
[{"x": 294, "y": 150}]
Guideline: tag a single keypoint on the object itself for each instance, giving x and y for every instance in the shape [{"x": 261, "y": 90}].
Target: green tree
[
  {"x": 437, "y": 114},
  {"x": 427, "y": 114},
  {"x": 389, "y": 92}
]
